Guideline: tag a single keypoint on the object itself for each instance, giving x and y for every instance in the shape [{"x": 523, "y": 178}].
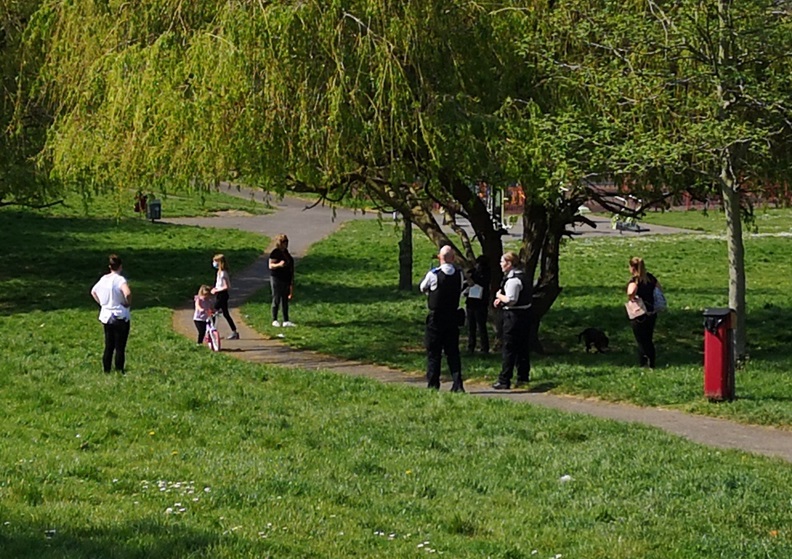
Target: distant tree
[{"x": 691, "y": 95}]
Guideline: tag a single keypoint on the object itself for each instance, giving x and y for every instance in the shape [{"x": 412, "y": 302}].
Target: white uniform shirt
[
  {"x": 429, "y": 283},
  {"x": 111, "y": 298},
  {"x": 511, "y": 289}
]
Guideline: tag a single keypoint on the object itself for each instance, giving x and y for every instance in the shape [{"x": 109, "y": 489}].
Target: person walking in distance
[
  {"x": 477, "y": 304},
  {"x": 514, "y": 298},
  {"x": 641, "y": 286},
  {"x": 443, "y": 285},
  {"x": 113, "y": 295},
  {"x": 281, "y": 265},
  {"x": 220, "y": 291}
]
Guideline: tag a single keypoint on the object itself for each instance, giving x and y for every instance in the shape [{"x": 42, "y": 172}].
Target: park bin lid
[{"x": 717, "y": 311}]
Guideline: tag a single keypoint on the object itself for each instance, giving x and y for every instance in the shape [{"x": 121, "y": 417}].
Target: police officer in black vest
[
  {"x": 514, "y": 297},
  {"x": 444, "y": 287}
]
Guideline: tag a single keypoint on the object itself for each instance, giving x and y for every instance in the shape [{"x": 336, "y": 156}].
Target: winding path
[{"x": 307, "y": 226}]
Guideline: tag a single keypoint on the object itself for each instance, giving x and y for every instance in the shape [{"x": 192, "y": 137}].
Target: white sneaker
[
  {"x": 289, "y": 324},
  {"x": 276, "y": 324}
]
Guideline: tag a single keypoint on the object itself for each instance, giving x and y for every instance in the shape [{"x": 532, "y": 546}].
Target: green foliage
[
  {"x": 310, "y": 91},
  {"x": 22, "y": 127},
  {"x": 194, "y": 454},
  {"x": 667, "y": 87}
]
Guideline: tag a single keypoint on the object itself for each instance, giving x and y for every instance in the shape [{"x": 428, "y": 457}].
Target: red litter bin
[{"x": 719, "y": 353}]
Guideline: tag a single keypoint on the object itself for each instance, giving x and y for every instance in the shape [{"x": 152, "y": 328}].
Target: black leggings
[
  {"x": 280, "y": 297},
  {"x": 221, "y": 304},
  {"x": 116, "y": 336},
  {"x": 477, "y": 320},
  {"x": 643, "y": 330},
  {"x": 200, "y": 325}
]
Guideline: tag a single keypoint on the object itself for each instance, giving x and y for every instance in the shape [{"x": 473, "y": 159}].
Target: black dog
[{"x": 594, "y": 337}]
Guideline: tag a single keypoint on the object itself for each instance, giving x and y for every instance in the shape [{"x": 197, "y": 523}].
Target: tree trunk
[
  {"x": 736, "y": 249},
  {"x": 406, "y": 255},
  {"x": 541, "y": 244},
  {"x": 730, "y": 188}
]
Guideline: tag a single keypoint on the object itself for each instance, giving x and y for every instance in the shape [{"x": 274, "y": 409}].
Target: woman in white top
[{"x": 114, "y": 297}]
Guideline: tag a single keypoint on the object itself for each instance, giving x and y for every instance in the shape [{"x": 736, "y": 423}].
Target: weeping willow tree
[
  {"x": 21, "y": 133},
  {"x": 395, "y": 100},
  {"x": 399, "y": 102}
]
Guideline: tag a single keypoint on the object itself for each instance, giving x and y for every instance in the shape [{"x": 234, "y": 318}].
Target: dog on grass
[{"x": 596, "y": 338}]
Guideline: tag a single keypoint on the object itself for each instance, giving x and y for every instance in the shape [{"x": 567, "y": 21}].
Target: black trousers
[
  {"x": 200, "y": 325},
  {"x": 221, "y": 304},
  {"x": 115, "y": 338},
  {"x": 280, "y": 297},
  {"x": 643, "y": 329},
  {"x": 516, "y": 346},
  {"x": 477, "y": 322},
  {"x": 442, "y": 336}
]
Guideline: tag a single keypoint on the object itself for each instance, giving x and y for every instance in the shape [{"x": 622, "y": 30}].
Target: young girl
[
  {"x": 220, "y": 291},
  {"x": 203, "y": 310}
]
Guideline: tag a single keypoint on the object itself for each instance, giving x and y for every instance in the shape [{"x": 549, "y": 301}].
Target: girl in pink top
[{"x": 203, "y": 310}]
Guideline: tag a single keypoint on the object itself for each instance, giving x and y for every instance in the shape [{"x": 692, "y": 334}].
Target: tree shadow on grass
[
  {"x": 56, "y": 261},
  {"x": 143, "y": 539}
]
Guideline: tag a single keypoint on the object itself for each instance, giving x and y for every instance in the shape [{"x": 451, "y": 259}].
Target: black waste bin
[{"x": 154, "y": 210}]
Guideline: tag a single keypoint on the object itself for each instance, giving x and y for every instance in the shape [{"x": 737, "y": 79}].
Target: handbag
[
  {"x": 660, "y": 303},
  {"x": 460, "y": 316},
  {"x": 635, "y": 308}
]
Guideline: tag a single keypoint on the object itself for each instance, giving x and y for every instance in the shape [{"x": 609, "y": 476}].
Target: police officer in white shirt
[
  {"x": 514, "y": 297},
  {"x": 443, "y": 285}
]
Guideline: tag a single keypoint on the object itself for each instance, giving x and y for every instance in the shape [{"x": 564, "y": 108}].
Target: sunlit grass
[
  {"x": 346, "y": 304},
  {"x": 121, "y": 204},
  {"x": 200, "y": 455}
]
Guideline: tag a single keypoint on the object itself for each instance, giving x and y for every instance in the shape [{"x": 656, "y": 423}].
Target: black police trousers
[
  {"x": 442, "y": 336},
  {"x": 516, "y": 346}
]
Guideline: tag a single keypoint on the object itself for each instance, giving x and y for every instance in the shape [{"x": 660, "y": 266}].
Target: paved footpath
[{"x": 307, "y": 226}]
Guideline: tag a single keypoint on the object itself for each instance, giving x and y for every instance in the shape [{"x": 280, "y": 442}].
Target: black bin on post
[{"x": 154, "y": 210}]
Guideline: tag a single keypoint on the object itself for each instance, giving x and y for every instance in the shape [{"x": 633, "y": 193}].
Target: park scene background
[{"x": 355, "y": 104}]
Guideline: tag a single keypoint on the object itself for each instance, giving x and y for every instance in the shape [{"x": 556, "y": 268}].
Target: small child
[{"x": 203, "y": 310}]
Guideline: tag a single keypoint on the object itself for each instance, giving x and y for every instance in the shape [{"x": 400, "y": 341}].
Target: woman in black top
[
  {"x": 477, "y": 303},
  {"x": 641, "y": 286},
  {"x": 281, "y": 265}
]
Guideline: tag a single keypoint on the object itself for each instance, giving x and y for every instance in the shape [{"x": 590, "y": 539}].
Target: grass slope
[{"x": 199, "y": 455}]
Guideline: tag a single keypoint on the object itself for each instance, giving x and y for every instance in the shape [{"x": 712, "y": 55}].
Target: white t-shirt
[
  {"x": 222, "y": 281},
  {"x": 111, "y": 298}
]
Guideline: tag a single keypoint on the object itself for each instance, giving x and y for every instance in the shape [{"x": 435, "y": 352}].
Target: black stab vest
[
  {"x": 449, "y": 289},
  {"x": 525, "y": 297}
]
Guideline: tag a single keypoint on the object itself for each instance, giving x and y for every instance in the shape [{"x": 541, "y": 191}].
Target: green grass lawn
[
  {"x": 121, "y": 204},
  {"x": 200, "y": 455},
  {"x": 766, "y": 220},
  {"x": 346, "y": 304}
]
